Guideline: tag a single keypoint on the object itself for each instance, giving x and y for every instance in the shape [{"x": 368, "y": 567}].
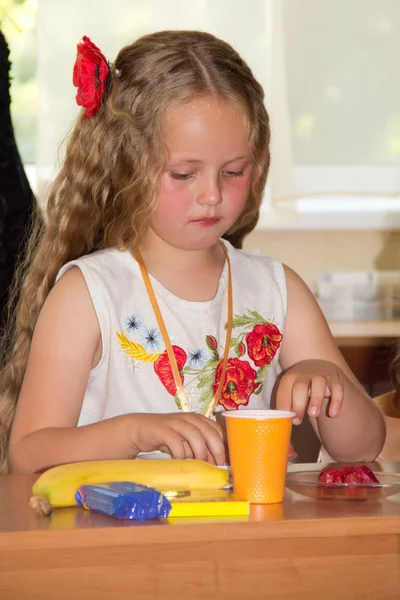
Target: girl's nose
[{"x": 211, "y": 194}]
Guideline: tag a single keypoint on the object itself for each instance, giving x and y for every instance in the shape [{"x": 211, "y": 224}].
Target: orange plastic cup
[{"x": 259, "y": 443}]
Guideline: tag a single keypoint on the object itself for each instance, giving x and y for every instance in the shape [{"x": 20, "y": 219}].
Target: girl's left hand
[{"x": 312, "y": 387}]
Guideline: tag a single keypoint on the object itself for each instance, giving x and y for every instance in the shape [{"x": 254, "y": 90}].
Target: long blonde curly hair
[{"x": 105, "y": 192}]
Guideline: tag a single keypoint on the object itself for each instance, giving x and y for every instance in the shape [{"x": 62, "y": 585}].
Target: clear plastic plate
[{"x": 306, "y": 483}]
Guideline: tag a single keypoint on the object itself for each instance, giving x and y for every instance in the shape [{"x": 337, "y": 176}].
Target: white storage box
[{"x": 359, "y": 296}]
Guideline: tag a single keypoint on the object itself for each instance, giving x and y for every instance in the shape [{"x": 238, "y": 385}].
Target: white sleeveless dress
[{"x": 134, "y": 375}]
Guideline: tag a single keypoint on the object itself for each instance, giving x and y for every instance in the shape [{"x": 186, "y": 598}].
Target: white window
[
  {"x": 336, "y": 111},
  {"x": 329, "y": 69}
]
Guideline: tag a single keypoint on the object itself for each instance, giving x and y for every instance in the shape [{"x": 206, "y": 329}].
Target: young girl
[{"x": 139, "y": 318}]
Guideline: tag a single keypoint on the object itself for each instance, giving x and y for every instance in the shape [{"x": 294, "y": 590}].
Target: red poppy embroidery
[
  {"x": 163, "y": 368},
  {"x": 239, "y": 383},
  {"x": 90, "y": 74},
  {"x": 211, "y": 342},
  {"x": 262, "y": 343}
]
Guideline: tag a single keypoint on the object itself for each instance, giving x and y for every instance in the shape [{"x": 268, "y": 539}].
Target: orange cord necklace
[{"x": 172, "y": 359}]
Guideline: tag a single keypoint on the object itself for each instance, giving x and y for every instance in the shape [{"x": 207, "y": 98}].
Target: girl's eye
[
  {"x": 235, "y": 173},
  {"x": 181, "y": 176}
]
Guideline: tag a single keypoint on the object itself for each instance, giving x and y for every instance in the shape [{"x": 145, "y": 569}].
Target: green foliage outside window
[{"x": 18, "y": 24}]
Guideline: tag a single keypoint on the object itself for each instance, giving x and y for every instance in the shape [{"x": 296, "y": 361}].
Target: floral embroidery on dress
[
  {"x": 201, "y": 368},
  {"x": 262, "y": 343},
  {"x": 240, "y": 383},
  {"x": 136, "y": 351},
  {"x": 163, "y": 369}
]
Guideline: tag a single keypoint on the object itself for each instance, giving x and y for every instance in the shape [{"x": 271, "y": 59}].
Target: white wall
[{"x": 308, "y": 252}]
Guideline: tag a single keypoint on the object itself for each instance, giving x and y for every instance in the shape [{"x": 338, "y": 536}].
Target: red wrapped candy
[
  {"x": 346, "y": 474},
  {"x": 359, "y": 475}
]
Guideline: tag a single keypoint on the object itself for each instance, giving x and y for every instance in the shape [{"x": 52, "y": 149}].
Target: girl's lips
[{"x": 206, "y": 222}]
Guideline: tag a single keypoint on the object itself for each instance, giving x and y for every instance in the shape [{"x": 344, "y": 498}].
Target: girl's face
[{"x": 206, "y": 181}]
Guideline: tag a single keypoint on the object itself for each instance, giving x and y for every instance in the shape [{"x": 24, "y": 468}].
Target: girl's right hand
[{"x": 182, "y": 435}]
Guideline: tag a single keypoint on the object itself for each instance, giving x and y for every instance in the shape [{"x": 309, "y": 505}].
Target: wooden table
[{"x": 300, "y": 549}]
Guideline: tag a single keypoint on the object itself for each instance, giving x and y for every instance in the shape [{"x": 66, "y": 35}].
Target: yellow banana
[{"x": 57, "y": 486}]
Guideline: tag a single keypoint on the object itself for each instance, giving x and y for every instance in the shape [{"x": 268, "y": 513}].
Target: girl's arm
[
  {"x": 317, "y": 378},
  {"x": 65, "y": 346}
]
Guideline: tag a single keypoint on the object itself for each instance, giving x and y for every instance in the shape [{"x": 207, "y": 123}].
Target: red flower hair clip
[{"x": 91, "y": 76}]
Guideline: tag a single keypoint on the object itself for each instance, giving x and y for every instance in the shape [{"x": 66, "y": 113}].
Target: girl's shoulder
[
  {"x": 250, "y": 265},
  {"x": 258, "y": 281},
  {"x": 104, "y": 263}
]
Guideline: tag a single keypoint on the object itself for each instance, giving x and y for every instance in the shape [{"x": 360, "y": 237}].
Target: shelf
[{"x": 365, "y": 332}]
